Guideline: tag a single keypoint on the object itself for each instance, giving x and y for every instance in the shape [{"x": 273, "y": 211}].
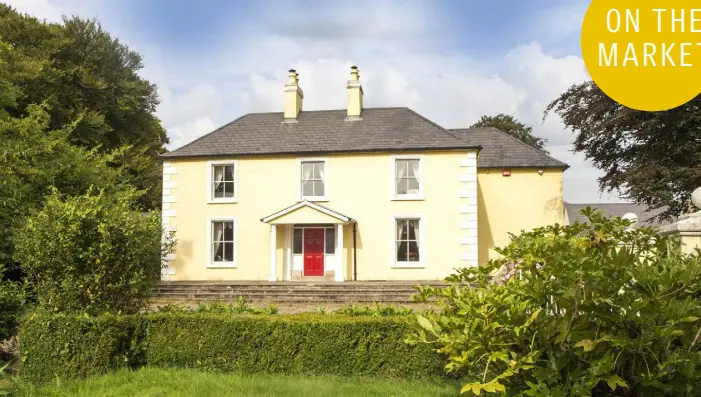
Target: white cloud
[
  {"x": 183, "y": 133},
  {"x": 395, "y": 44}
]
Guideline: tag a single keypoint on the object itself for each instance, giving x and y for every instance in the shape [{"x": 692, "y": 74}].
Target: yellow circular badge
[{"x": 644, "y": 54}]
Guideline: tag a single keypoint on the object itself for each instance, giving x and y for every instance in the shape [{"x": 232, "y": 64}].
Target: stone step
[
  {"x": 290, "y": 298},
  {"x": 285, "y": 290},
  {"x": 283, "y": 293},
  {"x": 390, "y": 292},
  {"x": 293, "y": 285}
]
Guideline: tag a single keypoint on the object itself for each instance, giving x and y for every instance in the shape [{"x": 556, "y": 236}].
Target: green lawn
[{"x": 151, "y": 382}]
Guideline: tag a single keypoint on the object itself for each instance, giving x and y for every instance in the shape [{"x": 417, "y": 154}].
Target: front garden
[{"x": 597, "y": 309}]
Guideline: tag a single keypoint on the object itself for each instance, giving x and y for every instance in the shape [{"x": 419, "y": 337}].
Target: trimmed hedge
[
  {"x": 60, "y": 346},
  {"x": 77, "y": 347}
]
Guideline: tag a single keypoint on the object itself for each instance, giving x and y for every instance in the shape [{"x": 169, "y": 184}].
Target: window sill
[
  {"x": 408, "y": 266},
  {"x": 222, "y": 266},
  {"x": 227, "y": 201},
  {"x": 315, "y": 199},
  {"x": 408, "y": 198}
]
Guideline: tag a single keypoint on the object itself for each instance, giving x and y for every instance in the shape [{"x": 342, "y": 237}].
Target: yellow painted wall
[
  {"x": 523, "y": 201},
  {"x": 359, "y": 186},
  {"x": 689, "y": 244}
]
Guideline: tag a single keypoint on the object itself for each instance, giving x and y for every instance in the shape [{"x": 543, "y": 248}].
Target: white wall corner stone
[
  {"x": 166, "y": 164},
  {"x": 165, "y": 277},
  {"x": 165, "y": 206},
  {"x": 468, "y": 177},
  {"x": 170, "y": 271},
  {"x": 170, "y": 184},
  {"x": 464, "y": 240},
  {"x": 169, "y": 213},
  {"x": 469, "y": 209},
  {"x": 472, "y": 155},
  {"x": 166, "y": 177},
  {"x": 170, "y": 170},
  {"x": 469, "y": 256},
  {"x": 166, "y": 192},
  {"x": 471, "y": 263},
  {"x": 471, "y": 185},
  {"x": 170, "y": 199},
  {"x": 170, "y": 257}
]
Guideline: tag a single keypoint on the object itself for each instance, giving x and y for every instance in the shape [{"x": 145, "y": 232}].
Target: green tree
[
  {"x": 596, "y": 309},
  {"x": 89, "y": 80},
  {"x": 513, "y": 127},
  {"x": 651, "y": 158},
  {"x": 33, "y": 160},
  {"x": 92, "y": 253}
]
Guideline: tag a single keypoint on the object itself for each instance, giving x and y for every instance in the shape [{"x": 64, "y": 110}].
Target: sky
[{"x": 452, "y": 61}]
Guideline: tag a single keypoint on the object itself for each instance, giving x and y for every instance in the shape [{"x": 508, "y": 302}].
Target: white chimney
[
  {"x": 293, "y": 96},
  {"x": 355, "y": 95}
]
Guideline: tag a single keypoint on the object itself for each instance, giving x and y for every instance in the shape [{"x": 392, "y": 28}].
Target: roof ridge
[
  {"x": 520, "y": 142},
  {"x": 331, "y": 110}
]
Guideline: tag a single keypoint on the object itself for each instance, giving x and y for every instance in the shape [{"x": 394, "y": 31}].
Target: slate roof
[
  {"x": 501, "y": 150},
  {"x": 617, "y": 210},
  {"x": 325, "y": 131}
]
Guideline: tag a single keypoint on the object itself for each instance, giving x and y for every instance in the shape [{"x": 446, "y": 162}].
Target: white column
[
  {"x": 290, "y": 231},
  {"x": 339, "y": 274},
  {"x": 273, "y": 254}
]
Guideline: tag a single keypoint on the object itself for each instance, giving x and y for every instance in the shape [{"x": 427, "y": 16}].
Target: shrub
[
  {"x": 219, "y": 307},
  {"x": 593, "y": 309},
  {"x": 376, "y": 310},
  {"x": 240, "y": 307},
  {"x": 70, "y": 346},
  {"x": 91, "y": 253},
  {"x": 11, "y": 304}
]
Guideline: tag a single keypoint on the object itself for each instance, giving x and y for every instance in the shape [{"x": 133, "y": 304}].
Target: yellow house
[{"x": 354, "y": 194}]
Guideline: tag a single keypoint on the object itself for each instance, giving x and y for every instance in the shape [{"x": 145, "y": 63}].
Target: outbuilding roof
[
  {"x": 617, "y": 210},
  {"x": 501, "y": 150}
]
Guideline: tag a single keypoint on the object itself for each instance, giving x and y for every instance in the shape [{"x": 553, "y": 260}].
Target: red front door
[{"x": 313, "y": 252}]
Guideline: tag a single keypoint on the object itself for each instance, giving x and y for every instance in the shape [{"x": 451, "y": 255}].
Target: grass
[{"x": 152, "y": 382}]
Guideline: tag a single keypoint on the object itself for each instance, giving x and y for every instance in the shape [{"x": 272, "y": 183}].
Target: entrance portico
[{"x": 313, "y": 242}]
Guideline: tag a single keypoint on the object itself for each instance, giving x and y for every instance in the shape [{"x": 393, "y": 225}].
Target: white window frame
[
  {"x": 422, "y": 243},
  {"x": 325, "y": 160},
  {"x": 209, "y": 260},
  {"x": 393, "y": 178},
  {"x": 210, "y": 191}
]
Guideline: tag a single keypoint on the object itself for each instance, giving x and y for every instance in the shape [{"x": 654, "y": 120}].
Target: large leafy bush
[
  {"x": 596, "y": 309},
  {"x": 92, "y": 253}
]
